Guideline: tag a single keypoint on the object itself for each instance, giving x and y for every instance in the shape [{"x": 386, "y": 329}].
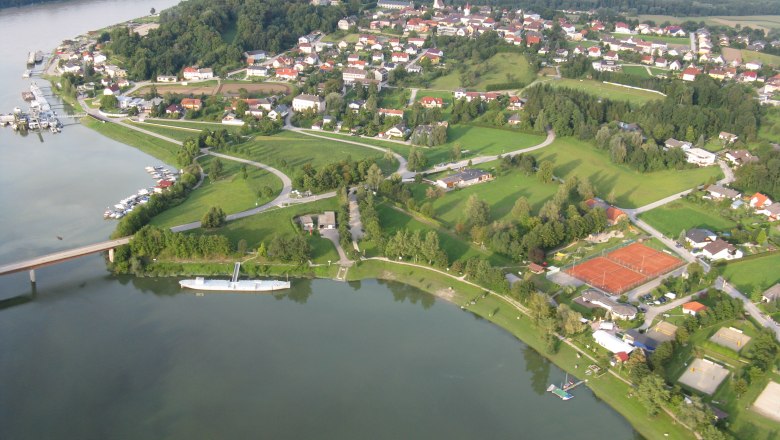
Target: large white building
[
  {"x": 700, "y": 157},
  {"x": 306, "y": 102}
]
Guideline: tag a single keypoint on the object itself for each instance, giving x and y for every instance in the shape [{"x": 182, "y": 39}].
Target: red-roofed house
[
  {"x": 614, "y": 215},
  {"x": 287, "y": 73},
  {"x": 622, "y": 28},
  {"x": 431, "y": 102},
  {"x": 391, "y": 112},
  {"x": 690, "y": 73},
  {"x": 594, "y": 52},
  {"x": 759, "y": 201},
  {"x": 191, "y": 103},
  {"x": 693, "y": 307}
]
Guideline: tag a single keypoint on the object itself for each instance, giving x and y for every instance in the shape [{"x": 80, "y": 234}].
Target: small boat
[
  {"x": 27, "y": 73},
  {"x": 38, "y": 56},
  {"x": 559, "y": 392}
]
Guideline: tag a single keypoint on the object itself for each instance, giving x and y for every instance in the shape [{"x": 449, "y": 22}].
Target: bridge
[{"x": 60, "y": 256}]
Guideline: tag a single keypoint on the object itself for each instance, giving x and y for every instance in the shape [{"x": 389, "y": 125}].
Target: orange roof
[
  {"x": 760, "y": 199},
  {"x": 694, "y": 306}
]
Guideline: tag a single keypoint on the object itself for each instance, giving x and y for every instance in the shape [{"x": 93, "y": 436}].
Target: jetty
[{"x": 556, "y": 390}]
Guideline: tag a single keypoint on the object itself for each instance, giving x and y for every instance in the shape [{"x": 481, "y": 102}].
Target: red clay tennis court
[
  {"x": 606, "y": 275},
  {"x": 624, "y": 268},
  {"x": 643, "y": 259}
]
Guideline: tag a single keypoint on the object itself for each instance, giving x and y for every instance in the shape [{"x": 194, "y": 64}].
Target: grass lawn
[
  {"x": 231, "y": 192},
  {"x": 500, "y": 194},
  {"x": 681, "y": 214},
  {"x": 290, "y": 151},
  {"x": 662, "y": 38},
  {"x": 640, "y": 71},
  {"x": 609, "y": 91},
  {"x": 262, "y": 227},
  {"x": 396, "y": 98},
  {"x": 766, "y": 58},
  {"x": 336, "y": 37},
  {"x": 632, "y": 189},
  {"x": 163, "y": 150},
  {"x": 197, "y": 125},
  {"x": 392, "y": 220},
  {"x": 493, "y": 70},
  {"x": 770, "y": 125},
  {"x": 745, "y": 274},
  {"x": 658, "y": 71},
  {"x": 179, "y": 134}
]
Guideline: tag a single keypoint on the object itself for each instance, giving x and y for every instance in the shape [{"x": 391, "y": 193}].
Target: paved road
[
  {"x": 751, "y": 308},
  {"x": 634, "y": 294},
  {"x": 482, "y": 159},
  {"x": 654, "y": 311},
  {"x": 355, "y": 224},
  {"x": 333, "y": 236}
]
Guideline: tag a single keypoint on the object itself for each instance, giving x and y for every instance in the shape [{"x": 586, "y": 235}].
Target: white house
[
  {"x": 700, "y": 157},
  {"x": 759, "y": 201},
  {"x": 721, "y": 250},
  {"x": 306, "y": 102},
  {"x": 260, "y": 71},
  {"x": 718, "y": 192},
  {"x": 699, "y": 238},
  {"x": 194, "y": 73}
]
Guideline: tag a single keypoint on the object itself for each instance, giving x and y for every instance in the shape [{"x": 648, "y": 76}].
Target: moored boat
[{"x": 201, "y": 283}]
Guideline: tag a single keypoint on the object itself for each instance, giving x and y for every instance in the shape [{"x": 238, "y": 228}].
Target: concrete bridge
[{"x": 60, "y": 256}]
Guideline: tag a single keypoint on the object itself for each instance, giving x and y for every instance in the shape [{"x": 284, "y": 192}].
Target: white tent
[{"x": 611, "y": 342}]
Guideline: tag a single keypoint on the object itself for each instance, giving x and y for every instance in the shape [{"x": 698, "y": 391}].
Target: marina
[
  {"x": 39, "y": 117},
  {"x": 165, "y": 178},
  {"x": 234, "y": 285}
]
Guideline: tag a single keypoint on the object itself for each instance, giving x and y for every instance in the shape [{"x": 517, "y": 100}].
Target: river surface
[{"x": 89, "y": 355}]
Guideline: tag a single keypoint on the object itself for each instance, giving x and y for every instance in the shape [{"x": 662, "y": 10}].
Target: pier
[{"x": 61, "y": 256}]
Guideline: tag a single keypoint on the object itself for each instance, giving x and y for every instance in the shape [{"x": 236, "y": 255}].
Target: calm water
[{"x": 91, "y": 356}]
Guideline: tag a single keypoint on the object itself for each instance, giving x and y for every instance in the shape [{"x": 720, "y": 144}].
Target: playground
[
  {"x": 624, "y": 268},
  {"x": 703, "y": 375}
]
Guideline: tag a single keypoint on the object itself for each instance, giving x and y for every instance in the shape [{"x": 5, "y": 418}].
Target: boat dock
[
  {"x": 559, "y": 392},
  {"x": 236, "y": 271},
  {"x": 164, "y": 178}
]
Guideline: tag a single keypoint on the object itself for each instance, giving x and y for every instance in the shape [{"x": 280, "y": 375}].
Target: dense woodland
[
  {"x": 215, "y": 33},
  {"x": 763, "y": 176}
]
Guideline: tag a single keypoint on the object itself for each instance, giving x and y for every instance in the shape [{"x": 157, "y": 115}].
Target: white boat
[
  {"x": 201, "y": 283},
  {"x": 27, "y": 73}
]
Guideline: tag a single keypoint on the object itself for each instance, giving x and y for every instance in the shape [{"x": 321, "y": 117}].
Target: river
[{"x": 89, "y": 355}]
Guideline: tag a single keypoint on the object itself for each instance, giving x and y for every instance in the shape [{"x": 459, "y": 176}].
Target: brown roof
[{"x": 694, "y": 306}]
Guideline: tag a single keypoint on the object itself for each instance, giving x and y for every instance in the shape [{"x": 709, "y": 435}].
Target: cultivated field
[
  {"x": 679, "y": 41},
  {"x": 608, "y": 91},
  {"x": 266, "y": 88},
  {"x": 682, "y": 214},
  {"x": 766, "y": 22},
  {"x": 494, "y": 70},
  {"x": 214, "y": 88},
  {"x": 573, "y": 157}
]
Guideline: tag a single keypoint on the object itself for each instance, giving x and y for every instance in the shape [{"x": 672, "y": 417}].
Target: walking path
[
  {"x": 411, "y": 97},
  {"x": 334, "y": 237}
]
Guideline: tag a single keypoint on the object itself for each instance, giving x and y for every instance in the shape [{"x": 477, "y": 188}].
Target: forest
[{"x": 216, "y": 33}]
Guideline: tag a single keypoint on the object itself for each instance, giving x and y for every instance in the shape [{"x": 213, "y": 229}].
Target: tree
[
  {"x": 455, "y": 153},
  {"x": 477, "y": 211},
  {"x": 740, "y": 386},
  {"x": 374, "y": 177},
  {"x": 545, "y": 172},
  {"x": 611, "y": 197},
  {"x": 214, "y": 218},
  {"x": 761, "y": 236},
  {"x": 215, "y": 169},
  {"x": 695, "y": 413},
  {"x": 521, "y": 209},
  {"x": 152, "y": 11},
  {"x": 652, "y": 393},
  {"x": 108, "y": 102},
  {"x": 569, "y": 320}
]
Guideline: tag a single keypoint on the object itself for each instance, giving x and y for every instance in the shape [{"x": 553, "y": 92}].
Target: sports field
[
  {"x": 624, "y": 268},
  {"x": 704, "y": 376}
]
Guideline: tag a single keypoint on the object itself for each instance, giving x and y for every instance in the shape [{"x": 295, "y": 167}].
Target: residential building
[
  {"x": 616, "y": 309},
  {"x": 700, "y": 157},
  {"x": 394, "y": 4},
  {"x": 771, "y": 294},
  {"x": 350, "y": 74},
  {"x": 759, "y": 201},
  {"x": 431, "y": 102},
  {"x": 772, "y": 211},
  {"x": 611, "y": 342},
  {"x": 721, "y": 250},
  {"x": 255, "y": 56},
  {"x": 718, "y": 192},
  {"x": 253, "y": 71},
  {"x": 463, "y": 178},
  {"x": 196, "y": 74},
  {"x": 191, "y": 103},
  {"x": 614, "y": 215},
  {"x": 698, "y": 238},
  {"x": 307, "y": 102},
  {"x": 327, "y": 220},
  {"x": 740, "y": 157},
  {"x": 166, "y": 78},
  {"x": 728, "y": 137},
  {"x": 390, "y": 112},
  {"x": 693, "y": 308},
  {"x": 674, "y": 143},
  {"x": 397, "y": 131}
]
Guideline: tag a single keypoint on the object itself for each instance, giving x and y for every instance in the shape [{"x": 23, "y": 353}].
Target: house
[
  {"x": 641, "y": 340},
  {"x": 698, "y": 238},
  {"x": 721, "y": 250},
  {"x": 718, "y": 192},
  {"x": 281, "y": 111},
  {"x": 606, "y": 66},
  {"x": 536, "y": 268},
  {"x": 771, "y": 294},
  {"x": 306, "y": 102},
  {"x": 619, "y": 358},
  {"x": 196, "y": 74},
  {"x": 356, "y": 105},
  {"x": 466, "y": 177},
  {"x": 754, "y": 65},
  {"x": 759, "y": 201},
  {"x": 693, "y": 308},
  {"x": 394, "y": 4},
  {"x": 700, "y": 157},
  {"x": 191, "y": 103},
  {"x": 616, "y": 309},
  {"x": 690, "y": 73},
  {"x": 594, "y": 52},
  {"x": 516, "y": 102},
  {"x": 611, "y": 56},
  {"x": 622, "y": 28},
  {"x": 727, "y": 137},
  {"x": 252, "y": 71},
  {"x": 514, "y": 119},
  {"x": 166, "y": 78},
  {"x": 646, "y": 59},
  {"x": 748, "y": 77},
  {"x": 612, "y": 343},
  {"x": 772, "y": 211},
  {"x": 232, "y": 119},
  {"x": 675, "y": 65},
  {"x": 674, "y": 143},
  {"x": 740, "y": 157},
  {"x": 431, "y": 102},
  {"x": 351, "y": 74},
  {"x": 327, "y": 220},
  {"x": 345, "y": 23},
  {"x": 400, "y": 57},
  {"x": 614, "y": 215},
  {"x": 661, "y": 63},
  {"x": 286, "y": 73},
  {"x": 389, "y": 112},
  {"x": 397, "y": 131},
  {"x": 174, "y": 109},
  {"x": 307, "y": 222},
  {"x": 255, "y": 56}
]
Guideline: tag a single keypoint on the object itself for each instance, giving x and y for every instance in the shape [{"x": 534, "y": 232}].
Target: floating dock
[{"x": 556, "y": 390}]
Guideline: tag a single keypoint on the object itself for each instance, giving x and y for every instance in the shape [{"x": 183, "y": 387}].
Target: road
[
  {"x": 751, "y": 308},
  {"x": 333, "y": 236},
  {"x": 56, "y": 257},
  {"x": 653, "y": 312},
  {"x": 482, "y": 159}
]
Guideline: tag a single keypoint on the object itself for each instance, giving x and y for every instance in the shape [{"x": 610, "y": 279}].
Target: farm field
[
  {"x": 500, "y": 194},
  {"x": 770, "y": 125},
  {"x": 495, "y": 70},
  {"x": 766, "y": 58},
  {"x": 573, "y": 157},
  {"x": 682, "y": 214},
  {"x": 745, "y": 274},
  {"x": 767, "y": 22},
  {"x": 231, "y": 192},
  {"x": 163, "y": 150},
  {"x": 290, "y": 151},
  {"x": 608, "y": 91}
]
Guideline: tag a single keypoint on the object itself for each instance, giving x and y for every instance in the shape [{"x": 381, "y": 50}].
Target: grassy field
[
  {"x": 393, "y": 98},
  {"x": 632, "y": 189},
  {"x": 231, "y": 192},
  {"x": 338, "y": 36},
  {"x": 662, "y": 38},
  {"x": 197, "y": 125},
  {"x": 640, "y": 71},
  {"x": 770, "y": 125},
  {"x": 747, "y": 273},
  {"x": 290, "y": 151},
  {"x": 681, "y": 214},
  {"x": 500, "y": 194},
  {"x": 608, "y": 388},
  {"x": 456, "y": 248},
  {"x": 766, "y": 58},
  {"x": 151, "y": 145},
  {"x": 609, "y": 91},
  {"x": 767, "y": 22},
  {"x": 180, "y": 134},
  {"x": 494, "y": 70},
  {"x": 262, "y": 227}
]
